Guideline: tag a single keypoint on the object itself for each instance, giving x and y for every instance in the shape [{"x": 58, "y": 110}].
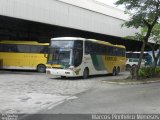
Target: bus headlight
[{"x": 71, "y": 67}]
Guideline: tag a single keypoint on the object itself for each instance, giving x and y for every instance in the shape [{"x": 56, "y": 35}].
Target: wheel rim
[{"x": 41, "y": 68}]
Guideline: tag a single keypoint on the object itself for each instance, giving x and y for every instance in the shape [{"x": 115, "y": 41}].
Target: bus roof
[
  {"x": 93, "y": 40},
  {"x": 22, "y": 42},
  {"x": 68, "y": 38},
  {"x": 105, "y": 43}
]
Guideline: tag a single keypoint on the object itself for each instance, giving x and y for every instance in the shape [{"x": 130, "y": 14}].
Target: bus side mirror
[{"x": 45, "y": 55}]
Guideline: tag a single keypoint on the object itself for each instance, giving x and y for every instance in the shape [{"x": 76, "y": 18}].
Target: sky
[{"x": 111, "y": 3}]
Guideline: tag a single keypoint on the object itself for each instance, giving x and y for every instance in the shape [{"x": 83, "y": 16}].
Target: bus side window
[
  {"x": 87, "y": 48},
  {"x": 115, "y": 51},
  {"x": 38, "y": 49},
  {"x": 41, "y": 49},
  {"x": 121, "y": 52},
  {"x": 45, "y": 49},
  {"x": 78, "y": 45},
  {"x": 9, "y": 48},
  {"x": 23, "y": 48},
  {"x": 110, "y": 50},
  {"x": 78, "y": 54},
  {"x": 1, "y": 47}
]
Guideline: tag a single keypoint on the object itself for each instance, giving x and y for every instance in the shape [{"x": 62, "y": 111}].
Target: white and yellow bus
[
  {"x": 27, "y": 55},
  {"x": 69, "y": 56}
]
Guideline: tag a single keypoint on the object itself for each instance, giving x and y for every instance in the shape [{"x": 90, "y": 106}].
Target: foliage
[
  {"x": 157, "y": 70},
  {"x": 144, "y": 14},
  {"x": 146, "y": 72},
  {"x": 155, "y": 33},
  {"x": 155, "y": 36}
]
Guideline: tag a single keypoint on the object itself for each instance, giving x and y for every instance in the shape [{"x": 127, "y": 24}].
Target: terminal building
[{"x": 41, "y": 20}]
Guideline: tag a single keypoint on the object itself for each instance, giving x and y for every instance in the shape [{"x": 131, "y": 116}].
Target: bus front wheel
[
  {"x": 41, "y": 68},
  {"x": 63, "y": 77},
  {"x": 118, "y": 70},
  {"x": 114, "y": 72},
  {"x": 85, "y": 73},
  {"x": 128, "y": 67}
]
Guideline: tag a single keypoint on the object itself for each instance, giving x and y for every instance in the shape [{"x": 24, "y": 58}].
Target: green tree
[
  {"x": 155, "y": 35},
  {"x": 144, "y": 14}
]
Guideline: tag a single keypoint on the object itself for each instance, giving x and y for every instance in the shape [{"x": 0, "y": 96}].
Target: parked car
[{"x": 133, "y": 62}]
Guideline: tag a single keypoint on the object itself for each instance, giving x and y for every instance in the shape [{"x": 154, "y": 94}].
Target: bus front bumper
[{"x": 60, "y": 72}]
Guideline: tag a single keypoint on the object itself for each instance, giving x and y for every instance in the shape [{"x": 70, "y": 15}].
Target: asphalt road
[
  {"x": 107, "y": 99},
  {"x": 90, "y": 96},
  {"x": 30, "y": 92}
]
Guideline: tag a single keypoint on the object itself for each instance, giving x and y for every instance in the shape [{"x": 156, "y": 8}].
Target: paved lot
[
  {"x": 30, "y": 92},
  {"x": 110, "y": 98}
]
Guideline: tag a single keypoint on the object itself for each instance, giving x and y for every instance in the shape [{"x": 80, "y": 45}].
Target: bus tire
[
  {"x": 118, "y": 70},
  {"x": 85, "y": 73},
  {"x": 114, "y": 72},
  {"x": 128, "y": 67},
  {"x": 63, "y": 77},
  {"x": 134, "y": 65},
  {"x": 41, "y": 68}
]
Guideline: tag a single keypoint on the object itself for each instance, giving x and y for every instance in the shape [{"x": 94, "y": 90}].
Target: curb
[{"x": 131, "y": 83}]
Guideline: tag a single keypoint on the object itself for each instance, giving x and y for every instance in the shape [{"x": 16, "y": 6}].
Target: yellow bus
[
  {"x": 29, "y": 55},
  {"x": 71, "y": 56}
]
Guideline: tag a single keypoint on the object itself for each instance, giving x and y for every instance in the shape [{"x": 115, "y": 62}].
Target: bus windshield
[
  {"x": 60, "y": 56},
  {"x": 66, "y": 53}
]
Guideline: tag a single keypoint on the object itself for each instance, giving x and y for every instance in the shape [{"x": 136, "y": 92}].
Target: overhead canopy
[
  {"x": 18, "y": 29},
  {"x": 84, "y": 15}
]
